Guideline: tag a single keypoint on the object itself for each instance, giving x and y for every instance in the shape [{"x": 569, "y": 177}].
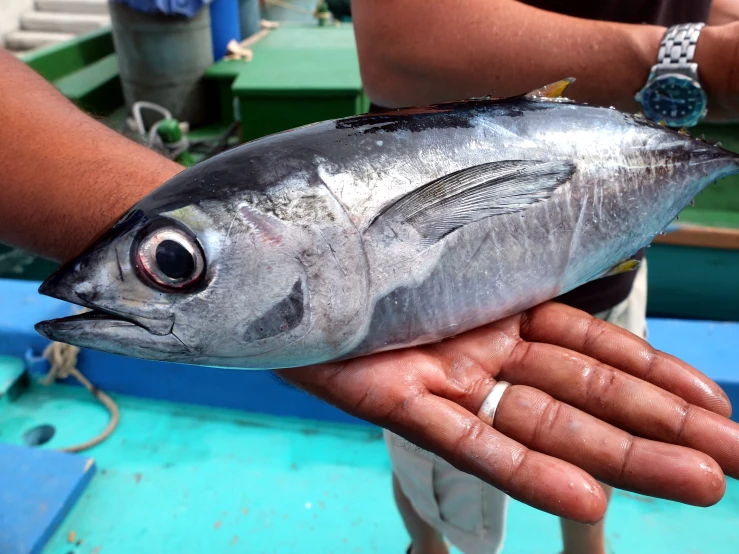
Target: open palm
[{"x": 589, "y": 401}]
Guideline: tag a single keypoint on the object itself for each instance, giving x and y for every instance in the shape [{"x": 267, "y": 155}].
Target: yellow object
[
  {"x": 553, "y": 90},
  {"x": 622, "y": 267}
]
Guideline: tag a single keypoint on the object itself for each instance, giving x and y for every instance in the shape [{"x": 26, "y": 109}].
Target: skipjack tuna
[{"x": 376, "y": 232}]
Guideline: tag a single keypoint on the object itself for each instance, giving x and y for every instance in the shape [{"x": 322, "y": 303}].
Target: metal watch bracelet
[{"x": 678, "y": 45}]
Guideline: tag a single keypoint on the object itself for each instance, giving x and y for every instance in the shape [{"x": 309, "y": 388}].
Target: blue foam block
[
  {"x": 711, "y": 347},
  {"x": 37, "y": 489}
]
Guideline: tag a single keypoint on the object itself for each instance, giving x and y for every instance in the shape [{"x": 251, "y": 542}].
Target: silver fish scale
[
  {"x": 382, "y": 231},
  {"x": 614, "y": 204}
]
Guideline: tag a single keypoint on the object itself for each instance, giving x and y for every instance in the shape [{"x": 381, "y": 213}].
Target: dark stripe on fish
[{"x": 280, "y": 318}]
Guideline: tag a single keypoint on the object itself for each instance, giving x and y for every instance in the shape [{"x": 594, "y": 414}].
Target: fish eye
[{"x": 171, "y": 258}]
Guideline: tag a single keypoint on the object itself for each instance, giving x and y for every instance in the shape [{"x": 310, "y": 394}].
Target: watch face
[{"x": 676, "y": 99}]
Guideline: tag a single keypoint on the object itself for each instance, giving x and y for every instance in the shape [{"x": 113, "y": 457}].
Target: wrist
[
  {"x": 716, "y": 54},
  {"x": 645, "y": 43}
]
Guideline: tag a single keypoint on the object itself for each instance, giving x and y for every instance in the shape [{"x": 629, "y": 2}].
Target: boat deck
[
  {"x": 215, "y": 461},
  {"x": 177, "y": 478}
]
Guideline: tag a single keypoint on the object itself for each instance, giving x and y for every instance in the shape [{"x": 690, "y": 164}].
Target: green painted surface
[
  {"x": 56, "y": 61},
  {"x": 176, "y": 478},
  {"x": 17, "y": 264},
  {"x": 303, "y": 60},
  {"x": 96, "y": 88},
  {"x": 13, "y": 377},
  {"x": 722, "y": 196},
  {"x": 226, "y": 70},
  {"x": 693, "y": 283},
  {"x": 267, "y": 115},
  {"x": 711, "y": 217},
  {"x": 300, "y": 74}
]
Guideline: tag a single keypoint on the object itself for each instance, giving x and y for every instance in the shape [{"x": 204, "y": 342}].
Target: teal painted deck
[{"x": 182, "y": 479}]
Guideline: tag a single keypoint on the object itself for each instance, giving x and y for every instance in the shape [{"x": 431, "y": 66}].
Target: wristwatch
[{"x": 673, "y": 93}]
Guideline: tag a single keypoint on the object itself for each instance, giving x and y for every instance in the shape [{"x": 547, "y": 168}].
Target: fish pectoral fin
[
  {"x": 624, "y": 266},
  {"x": 468, "y": 195},
  {"x": 551, "y": 91}
]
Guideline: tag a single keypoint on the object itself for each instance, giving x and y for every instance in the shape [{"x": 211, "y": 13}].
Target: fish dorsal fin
[
  {"x": 463, "y": 197},
  {"x": 552, "y": 91}
]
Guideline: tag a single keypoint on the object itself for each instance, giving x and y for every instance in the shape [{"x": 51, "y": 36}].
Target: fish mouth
[
  {"x": 155, "y": 325},
  {"x": 109, "y": 329},
  {"x": 56, "y": 329},
  {"x": 116, "y": 334}
]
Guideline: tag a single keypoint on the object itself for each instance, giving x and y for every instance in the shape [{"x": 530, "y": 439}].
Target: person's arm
[
  {"x": 723, "y": 12},
  {"x": 63, "y": 176},
  {"x": 415, "y": 52}
]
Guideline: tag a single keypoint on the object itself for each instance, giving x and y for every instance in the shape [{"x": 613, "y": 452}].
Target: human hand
[{"x": 588, "y": 401}]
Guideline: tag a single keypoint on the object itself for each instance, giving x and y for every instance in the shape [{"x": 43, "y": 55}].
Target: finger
[
  {"x": 611, "y": 455},
  {"x": 624, "y": 401},
  {"x": 390, "y": 390},
  {"x": 576, "y": 330},
  {"x": 459, "y": 437}
]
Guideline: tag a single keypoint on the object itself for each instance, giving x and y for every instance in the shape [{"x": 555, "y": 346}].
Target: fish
[{"x": 380, "y": 231}]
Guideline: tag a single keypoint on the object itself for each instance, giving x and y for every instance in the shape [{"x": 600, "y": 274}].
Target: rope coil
[
  {"x": 241, "y": 50},
  {"x": 63, "y": 363}
]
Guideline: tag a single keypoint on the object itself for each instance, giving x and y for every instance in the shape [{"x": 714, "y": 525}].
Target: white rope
[
  {"x": 63, "y": 363},
  {"x": 241, "y": 50}
]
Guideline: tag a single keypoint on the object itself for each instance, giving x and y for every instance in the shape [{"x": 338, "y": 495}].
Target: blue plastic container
[
  {"x": 225, "y": 25},
  {"x": 187, "y": 8},
  {"x": 162, "y": 58}
]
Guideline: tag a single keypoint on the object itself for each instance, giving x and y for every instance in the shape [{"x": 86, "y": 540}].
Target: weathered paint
[{"x": 178, "y": 478}]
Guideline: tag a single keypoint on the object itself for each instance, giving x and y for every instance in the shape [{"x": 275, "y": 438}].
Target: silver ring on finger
[{"x": 490, "y": 404}]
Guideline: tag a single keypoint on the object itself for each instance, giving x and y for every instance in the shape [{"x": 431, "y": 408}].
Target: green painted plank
[
  {"x": 723, "y": 195},
  {"x": 81, "y": 82},
  {"x": 226, "y": 69},
  {"x": 302, "y": 59},
  {"x": 711, "y": 217},
  {"x": 693, "y": 283},
  {"x": 96, "y": 88},
  {"x": 18, "y": 264},
  {"x": 58, "y": 60},
  {"x": 265, "y": 115},
  {"x": 305, "y": 71}
]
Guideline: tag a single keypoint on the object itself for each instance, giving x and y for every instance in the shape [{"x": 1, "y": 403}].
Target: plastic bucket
[
  {"x": 162, "y": 59},
  {"x": 250, "y": 17}
]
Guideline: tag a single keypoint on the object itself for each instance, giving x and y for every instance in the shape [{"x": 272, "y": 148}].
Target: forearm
[
  {"x": 64, "y": 176},
  {"x": 723, "y": 12},
  {"x": 411, "y": 54}
]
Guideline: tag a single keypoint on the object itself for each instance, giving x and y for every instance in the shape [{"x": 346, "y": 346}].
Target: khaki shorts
[{"x": 470, "y": 513}]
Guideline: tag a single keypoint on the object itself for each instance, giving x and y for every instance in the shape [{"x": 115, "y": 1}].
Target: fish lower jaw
[{"x": 91, "y": 317}]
